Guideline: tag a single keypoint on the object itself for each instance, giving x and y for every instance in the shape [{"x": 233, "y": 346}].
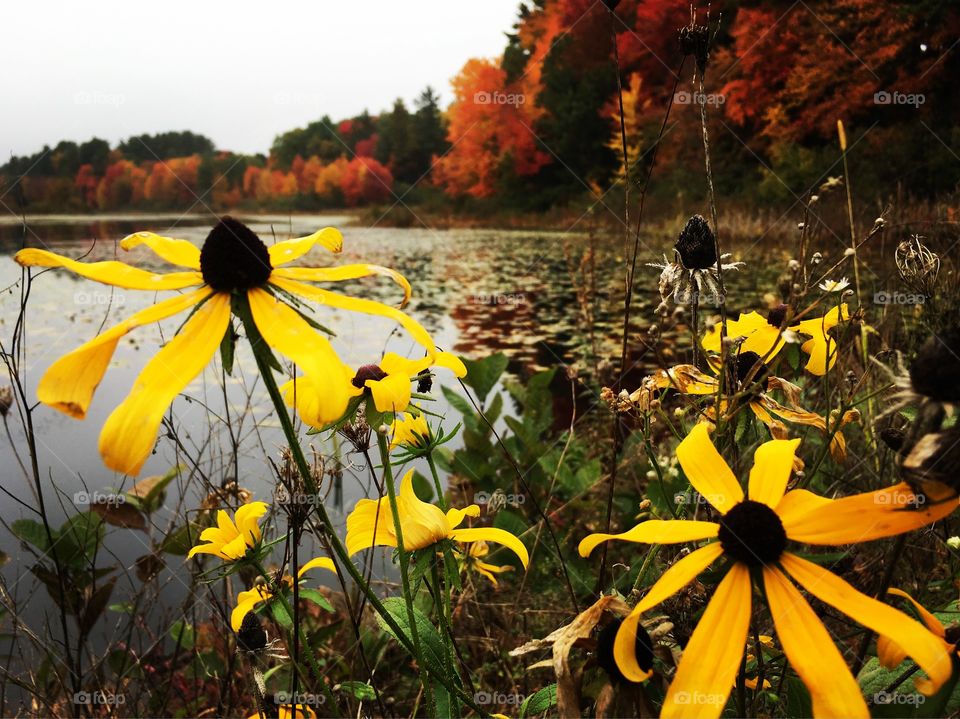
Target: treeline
[
  {"x": 327, "y": 164},
  {"x": 539, "y": 126}
]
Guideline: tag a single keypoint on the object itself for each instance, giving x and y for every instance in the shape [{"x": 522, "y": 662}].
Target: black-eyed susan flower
[
  {"x": 232, "y": 264},
  {"x": 289, "y": 711},
  {"x": 411, "y": 430},
  {"x": 692, "y": 275},
  {"x": 756, "y": 384},
  {"x": 231, "y": 539},
  {"x": 248, "y": 600},
  {"x": 752, "y": 536},
  {"x": 388, "y": 383},
  {"x": 370, "y": 524},
  {"x": 764, "y": 335},
  {"x": 472, "y": 561}
]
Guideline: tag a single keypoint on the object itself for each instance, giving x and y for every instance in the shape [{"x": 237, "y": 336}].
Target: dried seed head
[
  {"x": 6, "y": 400},
  {"x": 694, "y": 41},
  {"x": 696, "y": 246},
  {"x": 935, "y": 373}
]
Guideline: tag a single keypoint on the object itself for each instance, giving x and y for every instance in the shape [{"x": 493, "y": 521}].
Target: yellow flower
[
  {"x": 233, "y": 261},
  {"x": 473, "y": 560},
  {"x": 370, "y": 524},
  {"x": 249, "y": 599},
  {"x": 753, "y": 533},
  {"x": 410, "y": 429},
  {"x": 890, "y": 653},
  {"x": 287, "y": 711},
  {"x": 230, "y": 539},
  {"x": 687, "y": 379},
  {"x": 762, "y": 336}
]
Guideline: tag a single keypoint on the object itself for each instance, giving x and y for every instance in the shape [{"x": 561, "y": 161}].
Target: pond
[{"x": 525, "y": 293}]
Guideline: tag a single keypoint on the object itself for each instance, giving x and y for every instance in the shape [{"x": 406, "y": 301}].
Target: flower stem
[
  {"x": 436, "y": 482},
  {"x": 402, "y": 558},
  {"x": 262, "y": 354}
]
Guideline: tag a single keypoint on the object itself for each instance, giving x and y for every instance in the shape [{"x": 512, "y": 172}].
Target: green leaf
[
  {"x": 79, "y": 538},
  {"x": 458, "y": 402},
  {"x": 181, "y": 539},
  {"x": 317, "y": 598},
  {"x": 875, "y": 680},
  {"x": 359, "y": 690},
  {"x": 539, "y": 702},
  {"x": 95, "y": 606},
  {"x": 434, "y": 651},
  {"x": 182, "y": 632},
  {"x": 423, "y": 487},
  {"x": 150, "y": 491},
  {"x": 482, "y": 375},
  {"x": 31, "y": 532},
  {"x": 228, "y": 347}
]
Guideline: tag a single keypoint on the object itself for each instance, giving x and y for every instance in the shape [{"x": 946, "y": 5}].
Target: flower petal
[
  {"x": 70, "y": 382},
  {"x": 176, "y": 252},
  {"x": 772, "y": 464},
  {"x": 111, "y": 272},
  {"x": 930, "y": 620},
  {"x": 707, "y": 471},
  {"x": 927, "y": 649},
  {"x": 247, "y": 520},
  {"x": 317, "y": 563},
  {"x": 288, "y": 333},
  {"x": 246, "y": 602},
  {"x": 760, "y": 336},
  {"x": 811, "y": 651},
  {"x": 451, "y": 362},
  {"x": 370, "y": 524},
  {"x": 625, "y": 648},
  {"x": 341, "y": 273},
  {"x": 353, "y": 304},
  {"x": 864, "y": 517},
  {"x": 456, "y": 516},
  {"x": 821, "y": 346},
  {"x": 131, "y": 429},
  {"x": 390, "y": 394},
  {"x": 655, "y": 531},
  {"x": 315, "y": 406},
  {"x": 889, "y": 652},
  {"x": 492, "y": 534},
  {"x": 712, "y": 656},
  {"x": 679, "y": 575},
  {"x": 289, "y": 250}
]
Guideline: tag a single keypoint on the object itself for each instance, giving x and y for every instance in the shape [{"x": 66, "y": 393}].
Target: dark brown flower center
[
  {"x": 777, "y": 315},
  {"x": 752, "y": 533},
  {"x": 935, "y": 373},
  {"x": 745, "y": 362},
  {"x": 367, "y": 372},
  {"x": 696, "y": 245},
  {"x": 234, "y": 258},
  {"x": 643, "y": 649}
]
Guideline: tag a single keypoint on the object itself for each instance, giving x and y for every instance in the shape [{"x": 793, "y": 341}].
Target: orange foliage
[
  {"x": 490, "y": 125},
  {"x": 365, "y": 180}
]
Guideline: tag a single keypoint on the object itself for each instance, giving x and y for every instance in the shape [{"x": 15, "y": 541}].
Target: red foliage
[{"x": 365, "y": 180}]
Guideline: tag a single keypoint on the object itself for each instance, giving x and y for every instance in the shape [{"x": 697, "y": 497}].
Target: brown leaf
[
  {"x": 149, "y": 566},
  {"x": 119, "y": 514}
]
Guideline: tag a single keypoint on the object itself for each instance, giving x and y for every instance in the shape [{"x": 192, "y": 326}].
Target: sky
[{"x": 239, "y": 72}]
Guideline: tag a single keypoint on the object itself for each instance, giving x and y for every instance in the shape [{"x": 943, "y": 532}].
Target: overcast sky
[{"x": 239, "y": 72}]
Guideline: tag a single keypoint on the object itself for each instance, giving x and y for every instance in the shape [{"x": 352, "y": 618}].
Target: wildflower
[
  {"x": 892, "y": 654},
  {"x": 693, "y": 273},
  {"x": 472, "y": 560},
  {"x": 754, "y": 380},
  {"x": 643, "y": 651},
  {"x": 230, "y": 539},
  {"x": 764, "y": 335},
  {"x": 249, "y": 599},
  {"x": 834, "y": 285},
  {"x": 289, "y": 711},
  {"x": 371, "y": 524},
  {"x": 753, "y": 534},
  {"x": 410, "y": 429},
  {"x": 233, "y": 263}
]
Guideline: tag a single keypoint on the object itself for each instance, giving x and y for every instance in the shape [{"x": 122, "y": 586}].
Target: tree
[{"x": 364, "y": 181}]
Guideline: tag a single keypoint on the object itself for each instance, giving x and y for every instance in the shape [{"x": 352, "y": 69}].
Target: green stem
[
  {"x": 403, "y": 559},
  {"x": 263, "y": 357},
  {"x": 311, "y": 660},
  {"x": 436, "y": 482},
  {"x": 446, "y": 625}
]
